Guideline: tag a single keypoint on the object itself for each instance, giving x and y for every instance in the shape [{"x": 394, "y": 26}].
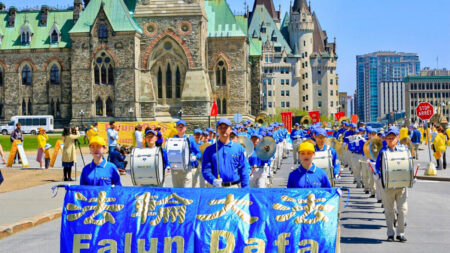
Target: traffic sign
[
  {"x": 237, "y": 118},
  {"x": 424, "y": 111}
]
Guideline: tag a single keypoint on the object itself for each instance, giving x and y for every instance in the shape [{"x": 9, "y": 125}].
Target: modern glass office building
[{"x": 375, "y": 68}]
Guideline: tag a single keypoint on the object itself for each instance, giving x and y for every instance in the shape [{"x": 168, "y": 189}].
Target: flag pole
[{"x": 217, "y": 149}]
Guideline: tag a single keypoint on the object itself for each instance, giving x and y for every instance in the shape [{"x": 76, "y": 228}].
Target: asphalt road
[{"x": 362, "y": 222}]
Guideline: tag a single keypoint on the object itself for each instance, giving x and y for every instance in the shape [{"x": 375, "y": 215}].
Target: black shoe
[
  {"x": 366, "y": 192},
  {"x": 379, "y": 201},
  {"x": 70, "y": 179},
  {"x": 401, "y": 238},
  {"x": 372, "y": 196},
  {"x": 66, "y": 179},
  {"x": 390, "y": 239}
]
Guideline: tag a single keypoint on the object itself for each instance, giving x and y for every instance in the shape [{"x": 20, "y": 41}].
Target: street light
[
  {"x": 130, "y": 111},
  {"x": 81, "y": 115},
  {"x": 180, "y": 113}
]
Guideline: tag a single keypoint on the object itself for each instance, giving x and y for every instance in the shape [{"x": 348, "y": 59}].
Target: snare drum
[
  {"x": 324, "y": 160},
  {"x": 147, "y": 167},
  {"x": 397, "y": 169},
  {"x": 178, "y": 152}
]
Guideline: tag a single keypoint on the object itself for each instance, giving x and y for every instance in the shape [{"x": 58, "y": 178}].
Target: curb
[
  {"x": 432, "y": 178},
  {"x": 13, "y": 228}
]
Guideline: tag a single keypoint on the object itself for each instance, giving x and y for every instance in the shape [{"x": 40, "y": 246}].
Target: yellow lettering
[
  {"x": 77, "y": 245},
  {"x": 153, "y": 246},
  {"x": 282, "y": 242},
  {"x": 179, "y": 241},
  {"x": 111, "y": 248},
  {"x": 229, "y": 241},
  {"x": 312, "y": 248},
  {"x": 128, "y": 237},
  {"x": 259, "y": 247}
]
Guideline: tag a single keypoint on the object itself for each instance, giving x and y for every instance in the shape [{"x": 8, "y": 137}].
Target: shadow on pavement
[
  {"x": 362, "y": 226},
  {"x": 359, "y": 240}
]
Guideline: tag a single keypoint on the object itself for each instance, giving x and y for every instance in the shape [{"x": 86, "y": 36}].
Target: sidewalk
[{"x": 423, "y": 161}]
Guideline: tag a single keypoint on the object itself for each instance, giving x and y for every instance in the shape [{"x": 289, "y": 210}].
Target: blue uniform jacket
[
  {"x": 103, "y": 174},
  {"x": 195, "y": 150},
  {"x": 378, "y": 162},
  {"x": 312, "y": 178},
  {"x": 233, "y": 164},
  {"x": 116, "y": 158},
  {"x": 336, "y": 165}
]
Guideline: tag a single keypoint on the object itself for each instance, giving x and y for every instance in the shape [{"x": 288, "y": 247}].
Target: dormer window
[
  {"x": 102, "y": 32},
  {"x": 54, "y": 38},
  {"x": 25, "y": 38},
  {"x": 25, "y": 33}
]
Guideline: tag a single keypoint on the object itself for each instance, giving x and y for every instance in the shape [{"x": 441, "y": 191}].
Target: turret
[
  {"x": 12, "y": 16},
  {"x": 44, "y": 15},
  {"x": 76, "y": 10}
]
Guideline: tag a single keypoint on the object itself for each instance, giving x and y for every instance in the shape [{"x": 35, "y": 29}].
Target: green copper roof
[
  {"x": 243, "y": 22},
  {"x": 262, "y": 19},
  {"x": 40, "y": 34},
  {"x": 221, "y": 21},
  {"x": 116, "y": 11},
  {"x": 255, "y": 47},
  {"x": 131, "y": 5},
  {"x": 285, "y": 27}
]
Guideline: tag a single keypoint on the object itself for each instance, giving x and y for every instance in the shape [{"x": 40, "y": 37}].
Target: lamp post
[
  {"x": 81, "y": 116},
  {"x": 130, "y": 111},
  {"x": 180, "y": 113}
]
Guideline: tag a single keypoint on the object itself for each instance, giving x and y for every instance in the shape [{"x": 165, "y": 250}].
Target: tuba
[
  {"x": 306, "y": 120},
  {"x": 261, "y": 118},
  {"x": 342, "y": 119},
  {"x": 374, "y": 147},
  {"x": 407, "y": 142}
]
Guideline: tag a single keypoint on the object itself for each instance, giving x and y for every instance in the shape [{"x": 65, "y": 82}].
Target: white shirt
[{"x": 139, "y": 138}]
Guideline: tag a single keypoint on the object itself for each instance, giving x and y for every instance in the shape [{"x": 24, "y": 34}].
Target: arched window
[
  {"x": 103, "y": 69},
  {"x": 26, "y": 75},
  {"x": 102, "y": 32},
  {"x": 99, "y": 107},
  {"x": 1, "y": 77},
  {"x": 178, "y": 83},
  {"x": 25, "y": 38},
  {"x": 160, "y": 83},
  {"x": 58, "y": 109},
  {"x": 219, "y": 106},
  {"x": 30, "y": 107},
  {"x": 109, "y": 108},
  {"x": 168, "y": 82},
  {"x": 224, "y": 106},
  {"x": 54, "y": 74},
  {"x": 24, "y": 107},
  {"x": 221, "y": 74},
  {"x": 54, "y": 37},
  {"x": 52, "y": 108}
]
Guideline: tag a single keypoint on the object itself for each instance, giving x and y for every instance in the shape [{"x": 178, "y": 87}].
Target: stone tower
[{"x": 301, "y": 29}]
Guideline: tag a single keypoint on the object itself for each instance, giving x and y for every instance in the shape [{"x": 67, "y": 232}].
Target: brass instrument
[
  {"x": 261, "y": 118},
  {"x": 306, "y": 120},
  {"x": 342, "y": 119},
  {"x": 337, "y": 145},
  {"x": 374, "y": 147},
  {"x": 407, "y": 142},
  {"x": 438, "y": 118}
]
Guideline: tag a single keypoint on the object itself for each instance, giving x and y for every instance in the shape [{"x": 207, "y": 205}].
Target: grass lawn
[{"x": 30, "y": 141}]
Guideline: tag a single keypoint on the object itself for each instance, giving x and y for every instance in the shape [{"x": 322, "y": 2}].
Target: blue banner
[{"x": 146, "y": 219}]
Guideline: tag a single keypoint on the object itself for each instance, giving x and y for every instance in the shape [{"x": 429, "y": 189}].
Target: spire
[
  {"x": 300, "y": 5},
  {"x": 270, "y": 7}
]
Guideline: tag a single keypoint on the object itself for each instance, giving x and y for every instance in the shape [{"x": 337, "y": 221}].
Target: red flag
[
  {"x": 339, "y": 115},
  {"x": 214, "y": 109},
  {"x": 355, "y": 118},
  {"x": 315, "y": 116},
  {"x": 286, "y": 117}
]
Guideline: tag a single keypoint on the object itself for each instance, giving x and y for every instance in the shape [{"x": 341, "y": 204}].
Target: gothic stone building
[{"x": 125, "y": 60}]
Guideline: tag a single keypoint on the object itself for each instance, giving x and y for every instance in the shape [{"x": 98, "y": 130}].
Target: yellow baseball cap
[
  {"x": 97, "y": 139},
  {"x": 306, "y": 146}
]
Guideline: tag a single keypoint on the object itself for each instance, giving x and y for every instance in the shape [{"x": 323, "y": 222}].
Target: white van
[{"x": 29, "y": 124}]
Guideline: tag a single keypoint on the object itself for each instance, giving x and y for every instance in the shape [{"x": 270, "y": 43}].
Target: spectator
[
  {"x": 69, "y": 156},
  {"x": 42, "y": 139},
  {"x": 17, "y": 135},
  {"x": 118, "y": 156},
  {"x": 113, "y": 136}
]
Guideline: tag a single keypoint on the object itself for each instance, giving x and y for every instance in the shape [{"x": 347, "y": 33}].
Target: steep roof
[
  {"x": 41, "y": 34},
  {"x": 299, "y": 5},
  {"x": 262, "y": 17},
  {"x": 319, "y": 36},
  {"x": 255, "y": 47},
  {"x": 221, "y": 21},
  {"x": 285, "y": 27},
  {"x": 116, "y": 11},
  {"x": 269, "y": 7}
]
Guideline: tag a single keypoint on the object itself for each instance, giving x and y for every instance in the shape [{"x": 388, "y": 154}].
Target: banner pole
[{"x": 217, "y": 149}]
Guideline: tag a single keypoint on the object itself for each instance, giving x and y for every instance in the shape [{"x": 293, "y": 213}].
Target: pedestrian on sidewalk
[
  {"x": 69, "y": 156},
  {"x": 113, "y": 136},
  {"x": 42, "y": 139},
  {"x": 17, "y": 135},
  {"x": 2, "y": 154},
  {"x": 416, "y": 138},
  {"x": 440, "y": 148},
  {"x": 99, "y": 172}
]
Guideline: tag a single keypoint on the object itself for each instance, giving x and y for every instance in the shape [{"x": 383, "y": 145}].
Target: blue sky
[{"x": 365, "y": 26}]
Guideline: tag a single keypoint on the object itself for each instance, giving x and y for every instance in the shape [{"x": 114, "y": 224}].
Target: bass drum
[
  {"x": 397, "y": 169},
  {"x": 324, "y": 161},
  {"x": 178, "y": 153},
  {"x": 147, "y": 166}
]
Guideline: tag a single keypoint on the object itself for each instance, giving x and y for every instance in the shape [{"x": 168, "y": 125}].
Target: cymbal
[
  {"x": 266, "y": 148},
  {"x": 246, "y": 143}
]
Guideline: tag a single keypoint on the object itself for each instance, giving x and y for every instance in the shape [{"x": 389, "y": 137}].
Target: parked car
[{"x": 30, "y": 124}]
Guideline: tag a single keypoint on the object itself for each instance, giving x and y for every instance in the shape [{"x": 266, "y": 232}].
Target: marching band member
[
  {"x": 374, "y": 192},
  {"x": 296, "y": 136},
  {"x": 99, "y": 172},
  {"x": 183, "y": 178},
  {"x": 234, "y": 136},
  {"x": 321, "y": 137},
  {"x": 197, "y": 178},
  {"x": 226, "y": 166},
  {"x": 151, "y": 137},
  {"x": 393, "y": 196},
  {"x": 307, "y": 175},
  {"x": 259, "y": 172}
]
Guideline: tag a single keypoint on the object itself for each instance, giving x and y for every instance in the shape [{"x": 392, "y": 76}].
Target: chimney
[
  {"x": 44, "y": 15},
  {"x": 2, "y": 6},
  {"x": 12, "y": 16},
  {"x": 76, "y": 10},
  {"x": 86, "y": 2}
]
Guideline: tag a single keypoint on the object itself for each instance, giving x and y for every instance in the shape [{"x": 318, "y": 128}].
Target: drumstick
[
  {"x": 417, "y": 170},
  {"x": 370, "y": 165},
  {"x": 253, "y": 170}
]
